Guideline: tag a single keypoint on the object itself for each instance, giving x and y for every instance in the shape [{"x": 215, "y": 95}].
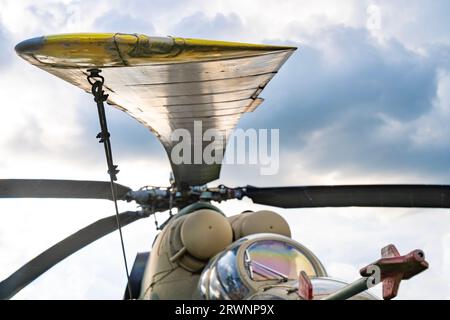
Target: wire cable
[{"x": 97, "y": 81}]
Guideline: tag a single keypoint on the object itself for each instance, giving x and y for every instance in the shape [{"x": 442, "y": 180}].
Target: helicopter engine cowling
[
  {"x": 197, "y": 236},
  {"x": 205, "y": 233},
  {"x": 263, "y": 221},
  {"x": 182, "y": 249}
]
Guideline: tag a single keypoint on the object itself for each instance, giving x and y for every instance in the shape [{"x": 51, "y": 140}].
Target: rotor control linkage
[{"x": 391, "y": 269}]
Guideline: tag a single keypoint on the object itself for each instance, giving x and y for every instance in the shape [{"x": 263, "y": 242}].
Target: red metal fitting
[
  {"x": 394, "y": 268},
  {"x": 305, "y": 288}
]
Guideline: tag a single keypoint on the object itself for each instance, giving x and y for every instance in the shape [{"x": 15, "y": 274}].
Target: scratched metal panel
[
  {"x": 169, "y": 96},
  {"x": 185, "y": 72},
  {"x": 218, "y": 106},
  {"x": 218, "y": 97},
  {"x": 176, "y": 95},
  {"x": 193, "y": 88}
]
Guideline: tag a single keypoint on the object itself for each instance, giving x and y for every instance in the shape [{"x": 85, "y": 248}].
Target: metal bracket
[
  {"x": 305, "y": 288},
  {"x": 394, "y": 268}
]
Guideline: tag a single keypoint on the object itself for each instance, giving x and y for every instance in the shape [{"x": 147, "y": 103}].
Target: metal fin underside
[{"x": 166, "y": 83}]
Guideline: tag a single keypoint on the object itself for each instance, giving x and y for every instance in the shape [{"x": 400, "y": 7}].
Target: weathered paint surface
[{"x": 166, "y": 83}]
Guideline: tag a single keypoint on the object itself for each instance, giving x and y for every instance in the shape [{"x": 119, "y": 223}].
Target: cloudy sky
[{"x": 365, "y": 99}]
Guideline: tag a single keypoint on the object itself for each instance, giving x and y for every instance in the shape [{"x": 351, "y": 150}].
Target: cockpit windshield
[
  {"x": 250, "y": 261},
  {"x": 275, "y": 260}
]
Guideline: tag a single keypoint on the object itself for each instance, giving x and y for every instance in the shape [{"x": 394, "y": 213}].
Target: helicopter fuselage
[{"x": 202, "y": 254}]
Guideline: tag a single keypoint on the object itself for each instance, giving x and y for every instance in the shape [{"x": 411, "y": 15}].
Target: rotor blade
[
  {"x": 43, "y": 262},
  {"x": 38, "y": 188},
  {"x": 421, "y": 196}
]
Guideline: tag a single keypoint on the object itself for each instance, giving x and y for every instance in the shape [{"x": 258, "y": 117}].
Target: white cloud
[{"x": 430, "y": 129}]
